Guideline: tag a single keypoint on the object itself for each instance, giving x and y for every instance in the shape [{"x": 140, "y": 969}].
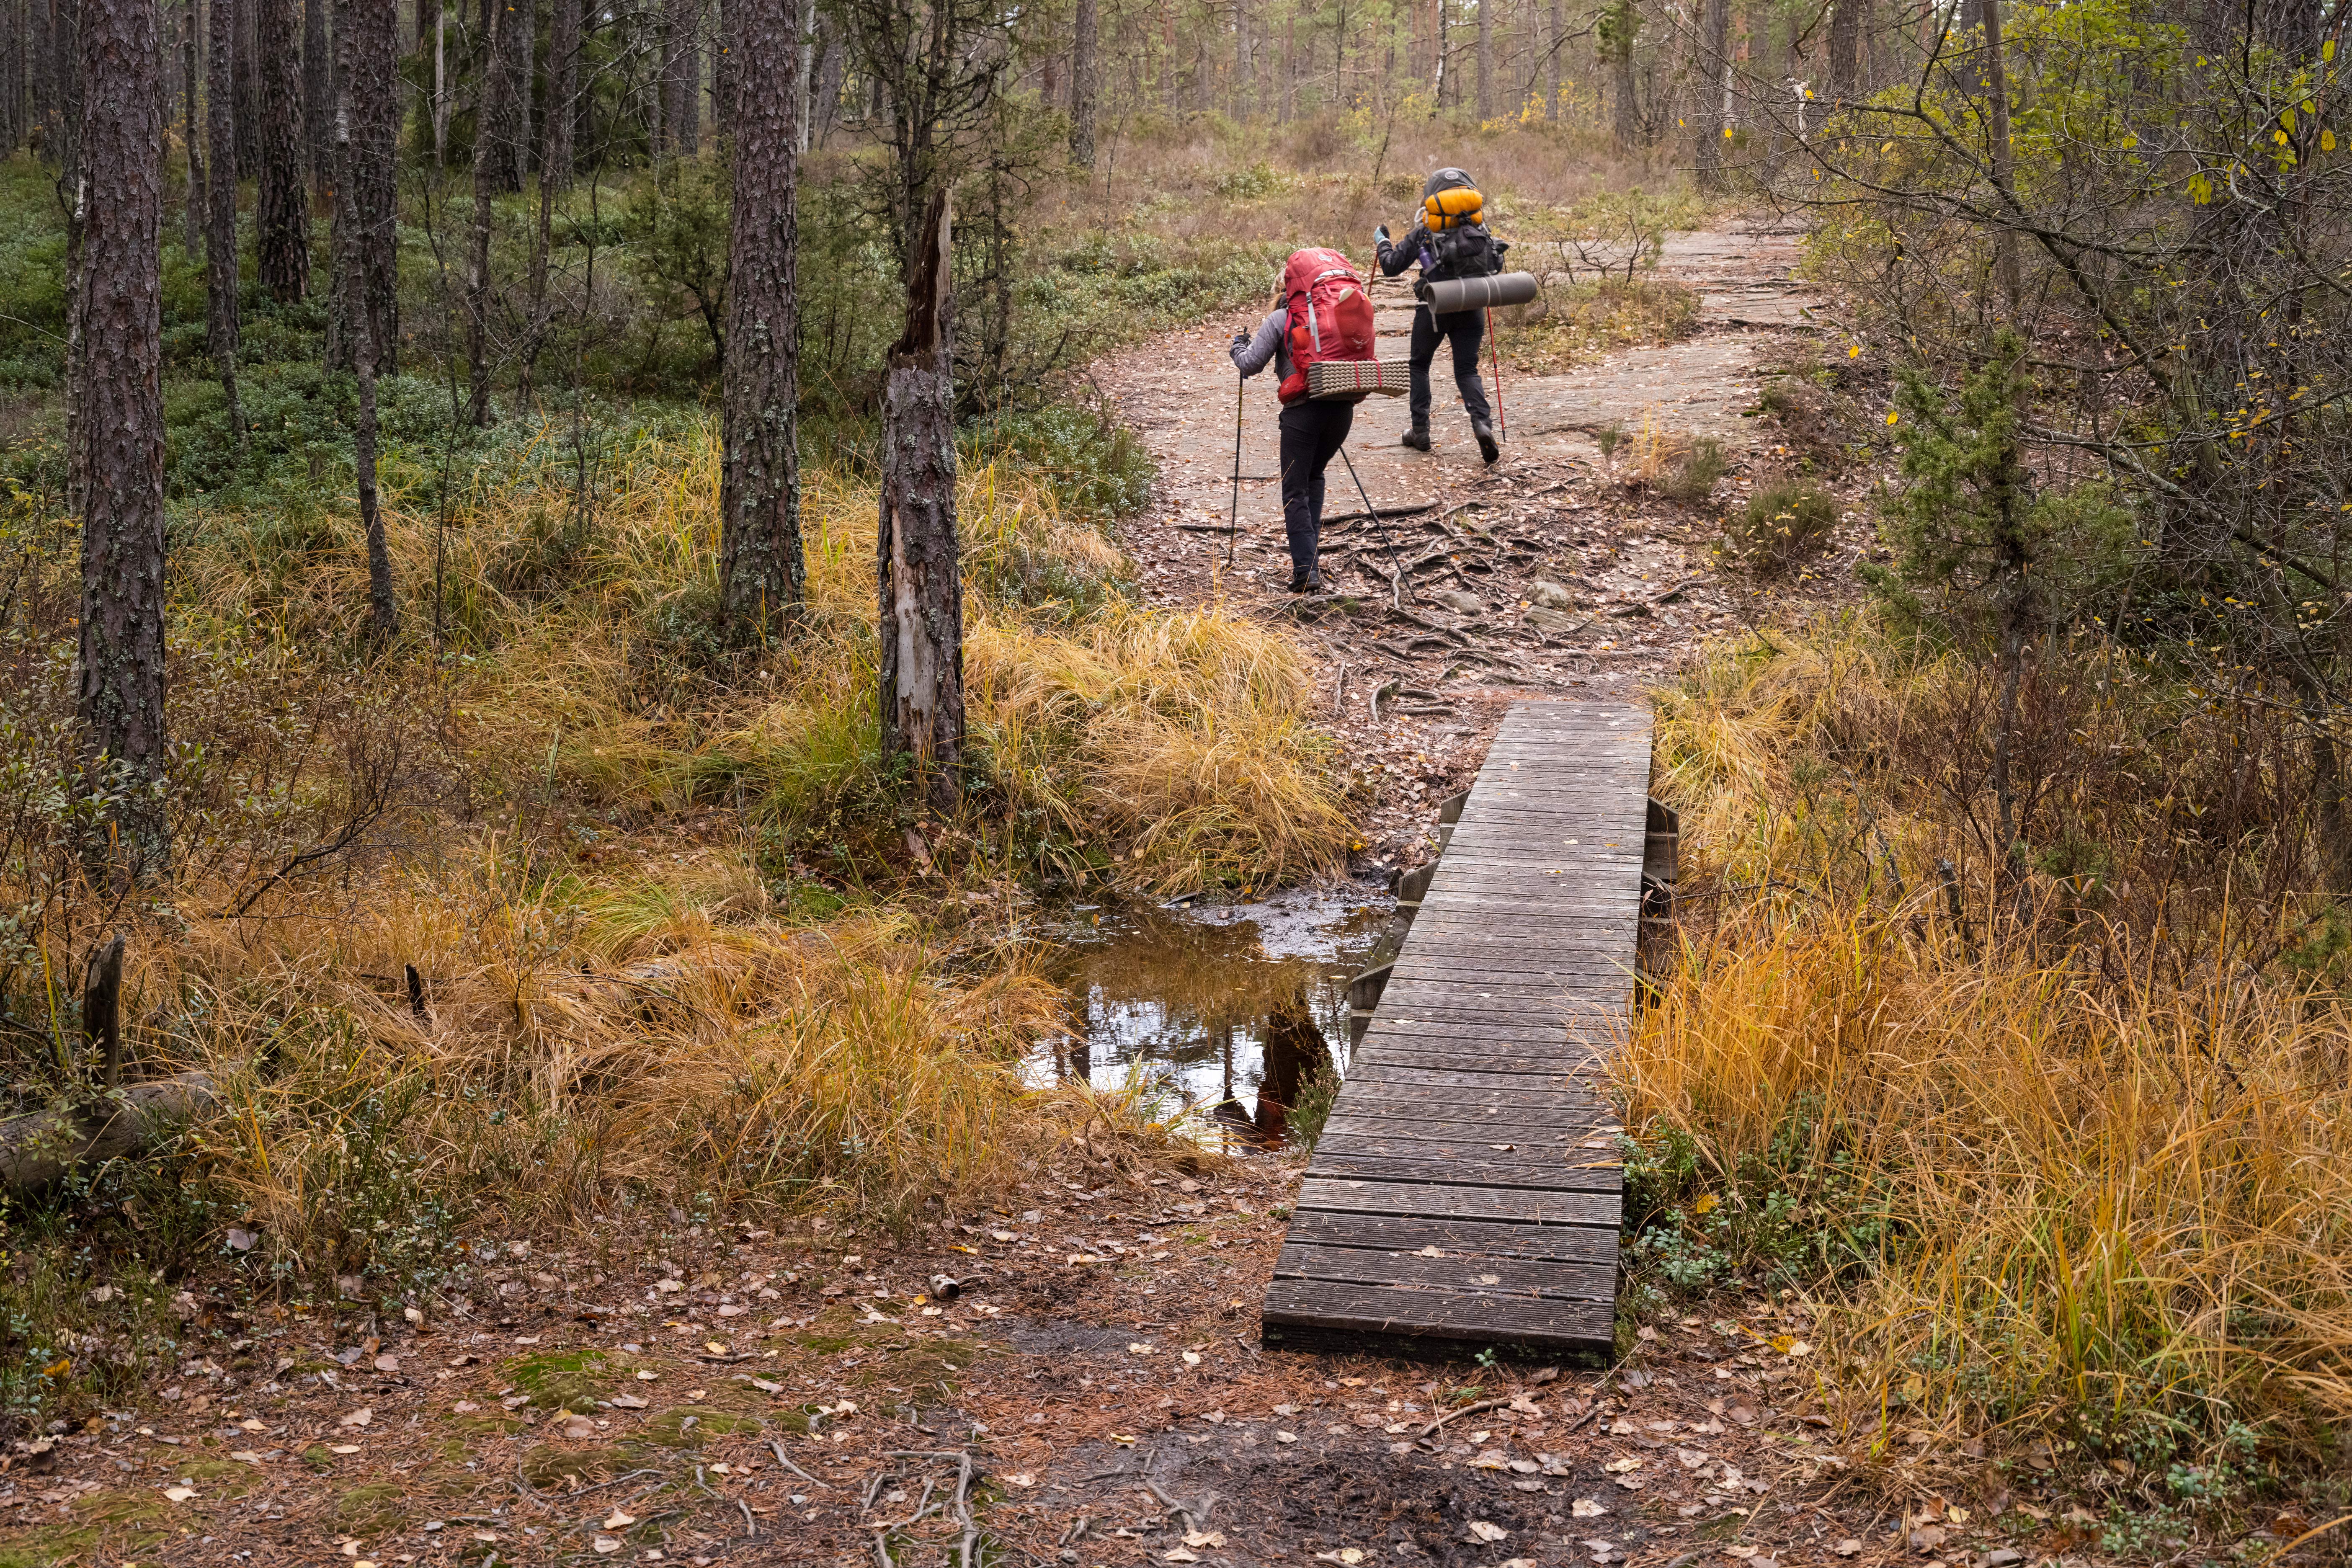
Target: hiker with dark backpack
[
  {"x": 1450, "y": 240},
  {"x": 1321, "y": 314}
]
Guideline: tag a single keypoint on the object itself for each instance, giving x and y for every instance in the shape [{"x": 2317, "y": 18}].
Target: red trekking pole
[{"x": 1494, "y": 347}]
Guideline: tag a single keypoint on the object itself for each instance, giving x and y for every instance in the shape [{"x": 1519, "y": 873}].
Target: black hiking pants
[
  {"x": 1311, "y": 434},
  {"x": 1465, "y": 330}
]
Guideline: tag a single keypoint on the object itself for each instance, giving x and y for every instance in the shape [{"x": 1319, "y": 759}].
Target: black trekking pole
[
  {"x": 1396, "y": 574},
  {"x": 1234, "y": 517}
]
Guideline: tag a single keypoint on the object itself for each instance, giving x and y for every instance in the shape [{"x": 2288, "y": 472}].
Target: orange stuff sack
[{"x": 1452, "y": 208}]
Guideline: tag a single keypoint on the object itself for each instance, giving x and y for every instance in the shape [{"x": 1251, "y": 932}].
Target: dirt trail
[{"x": 1627, "y": 578}]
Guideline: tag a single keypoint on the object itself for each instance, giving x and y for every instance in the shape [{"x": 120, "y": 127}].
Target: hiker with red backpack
[
  {"x": 1450, "y": 240},
  {"x": 1321, "y": 316}
]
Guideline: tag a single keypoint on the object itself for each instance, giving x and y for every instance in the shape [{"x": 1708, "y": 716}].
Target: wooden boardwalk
[{"x": 1466, "y": 1191}]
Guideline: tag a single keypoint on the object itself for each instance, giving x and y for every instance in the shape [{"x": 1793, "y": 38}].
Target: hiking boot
[
  {"x": 1486, "y": 433},
  {"x": 1307, "y": 583},
  {"x": 1417, "y": 437}
]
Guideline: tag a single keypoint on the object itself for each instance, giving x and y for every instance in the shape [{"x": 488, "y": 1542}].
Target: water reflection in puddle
[{"x": 1230, "y": 1006}]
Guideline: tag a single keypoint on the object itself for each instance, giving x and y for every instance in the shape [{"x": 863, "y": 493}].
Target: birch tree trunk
[
  {"x": 762, "y": 574},
  {"x": 917, "y": 556},
  {"x": 120, "y": 395}
]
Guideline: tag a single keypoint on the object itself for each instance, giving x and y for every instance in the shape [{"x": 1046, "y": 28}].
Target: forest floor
[
  {"x": 1561, "y": 571},
  {"x": 666, "y": 1393},
  {"x": 1077, "y": 1376}
]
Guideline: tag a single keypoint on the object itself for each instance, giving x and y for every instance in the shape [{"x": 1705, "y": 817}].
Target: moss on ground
[{"x": 563, "y": 1379}]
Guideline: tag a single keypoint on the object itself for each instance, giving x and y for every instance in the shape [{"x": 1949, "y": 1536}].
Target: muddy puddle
[{"x": 1234, "y": 1009}]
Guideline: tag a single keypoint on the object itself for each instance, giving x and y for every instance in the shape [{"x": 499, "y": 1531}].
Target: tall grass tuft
[{"x": 2062, "y": 1167}]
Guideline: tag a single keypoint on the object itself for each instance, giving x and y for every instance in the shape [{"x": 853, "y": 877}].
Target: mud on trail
[
  {"x": 1629, "y": 581},
  {"x": 1071, "y": 1379}
]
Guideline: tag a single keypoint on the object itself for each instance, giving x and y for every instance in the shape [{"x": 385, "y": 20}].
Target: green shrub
[
  {"x": 1692, "y": 478},
  {"x": 1779, "y": 527}
]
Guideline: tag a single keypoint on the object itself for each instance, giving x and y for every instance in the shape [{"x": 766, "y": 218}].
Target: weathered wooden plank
[
  {"x": 1471, "y": 1275},
  {"x": 1315, "y": 1314},
  {"x": 1465, "y": 1172},
  {"x": 1480, "y": 1239},
  {"x": 1420, "y": 1200}
]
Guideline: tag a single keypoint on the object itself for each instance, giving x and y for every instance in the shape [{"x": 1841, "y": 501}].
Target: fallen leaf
[
  {"x": 1481, "y": 1530},
  {"x": 1285, "y": 1436},
  {"x": 1429, "y": 1252},
  {"x": 1742, "y": 1553},
  {"x": 1191, "y": 1358},
  {"x": 387, "y": 1364},
  {"x": 179, "y": 1494},
  {"x": 241, "y": 1239},
  {"x": 1205, "y": 1538},
  {"x": 1618, "y": 1467},
  {"x": 605, "y": 1543},
  {"x": 627, "y": 1401},
  {"x": 1587, "y": 1508},
  {"x": 246, "y": 1457},
  {"x": 359, "y": 1417},
  {"x": 1178, "y": 1555},
  {"x": 645, "y": 1376},
  {"x": 1023, "y": 1479},
  {"x": 343, "y": 1447},
  {"x": 617, "y": 1519},
  {"x": 578, "y": 1428},
  {"x": 1847, "y": 1547},
  {"x": 1139, "y": 1349},
  {"x": 1927, "y": 1538}
]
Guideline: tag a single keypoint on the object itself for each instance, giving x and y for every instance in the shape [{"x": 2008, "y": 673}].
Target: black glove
[{"x": 1241, "y": 342}]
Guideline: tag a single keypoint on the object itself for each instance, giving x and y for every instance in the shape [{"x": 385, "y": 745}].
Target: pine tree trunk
[
  {"x": 245, "y": 94},
  {"x": 191, "y": 233},
  {"x": 1707, "y": 122},
  {"x": 366, "y": 45},
  {"x": 65, "y": 66},
  {"x": 1238, "y": 99},
  {"x": 120, "y": 395},
  {"x": 367, "y": 146},
  {"x": 1629, "y": 111},
  {"x": 523, "y": 46},
  {"x": 490, "y": 111},
  {"x": 1485, "y": 59},
  {"x": 221, "y": 299},
  {"x": 318, "y": 96},
  {"x": 563, "y": 91},
  {"x": 763, "y": 575},
  {"x": 283, "y": 205},
  {"x": 494, "y": 115},
  {"x": 1083, "y": 87},
  {"x": 1846, "y": 19},
  {"x": 682, "y": 77},
  {"x": 917, "y": 556},
  {"x": 1555, "y": 49}
]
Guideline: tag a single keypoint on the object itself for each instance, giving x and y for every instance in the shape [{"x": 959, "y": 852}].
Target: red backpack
[{"x": 1330, "y": 315}]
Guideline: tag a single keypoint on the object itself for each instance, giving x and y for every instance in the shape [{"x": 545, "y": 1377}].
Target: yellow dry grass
[{"x": 2097, "y": 1190}]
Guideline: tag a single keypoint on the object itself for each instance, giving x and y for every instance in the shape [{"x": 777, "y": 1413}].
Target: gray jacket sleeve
[{"x": 1259, "y": 351}]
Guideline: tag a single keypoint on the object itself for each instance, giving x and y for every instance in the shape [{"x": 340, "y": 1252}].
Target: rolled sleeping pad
[{"x": 1480, "y": 293}]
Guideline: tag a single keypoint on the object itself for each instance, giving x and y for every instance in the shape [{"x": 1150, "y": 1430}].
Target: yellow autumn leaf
[
  {"x": 64, "y": 1365},
  {"x": 1705, "y": 1204},
  {"x": 2328, "y": 141},
  {"x": 1854, "y": 350},
  {"x": 1782, "y": 1342},
  {"x": 1892, "y": 416}
]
